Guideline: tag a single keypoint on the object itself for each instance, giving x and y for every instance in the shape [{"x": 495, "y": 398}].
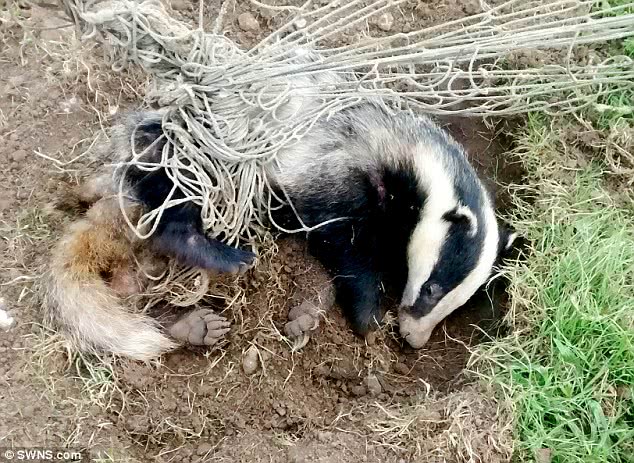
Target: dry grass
[
  {"x": 465, "y": 426},
  {"x": 568, "y": 367}
]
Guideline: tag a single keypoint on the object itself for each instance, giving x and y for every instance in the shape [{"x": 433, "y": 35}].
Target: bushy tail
[{"x": 80, "y": 302}]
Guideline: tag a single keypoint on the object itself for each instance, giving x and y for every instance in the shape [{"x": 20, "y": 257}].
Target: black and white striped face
[{"x": 451, "y": 251}]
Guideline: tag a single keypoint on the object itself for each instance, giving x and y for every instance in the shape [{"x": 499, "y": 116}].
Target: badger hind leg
[
  {"x": 201, "y": 327},
  {"x": 180, "y": 232},
  {"x": 179, "y": 235}
]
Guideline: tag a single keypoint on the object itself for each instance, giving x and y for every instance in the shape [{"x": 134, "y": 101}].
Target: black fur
[
  {"x": 180, "y": 232},
  {"x": 180, "y": 235},
  {"x": 368, "y": 250}
]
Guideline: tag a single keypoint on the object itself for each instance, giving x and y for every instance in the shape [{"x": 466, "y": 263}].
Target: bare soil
[{"x": 341, "y": 398}]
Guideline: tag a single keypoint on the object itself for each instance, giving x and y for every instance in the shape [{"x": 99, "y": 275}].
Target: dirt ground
[{"x": 341, "y": 398}]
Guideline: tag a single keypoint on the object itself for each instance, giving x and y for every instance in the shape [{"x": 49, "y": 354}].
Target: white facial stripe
[
  {"x": 417, "y": 331},
  {"x": 423, "y": 252},
  {"x": 429, "y": 234}
]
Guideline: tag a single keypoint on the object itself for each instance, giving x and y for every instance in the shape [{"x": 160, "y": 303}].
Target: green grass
[{"x": 569, "y": 366}]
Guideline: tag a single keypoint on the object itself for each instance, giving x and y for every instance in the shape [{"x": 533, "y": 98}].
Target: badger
[{"x": 391, "y": 201}]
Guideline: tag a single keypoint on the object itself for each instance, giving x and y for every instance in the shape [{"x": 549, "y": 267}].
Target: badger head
[{"x": 452, "y": 250}]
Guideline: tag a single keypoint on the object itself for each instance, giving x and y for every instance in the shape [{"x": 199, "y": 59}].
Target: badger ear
[
  {"x": 507, "y": 242},
  {"x": 463, "y": 214}
]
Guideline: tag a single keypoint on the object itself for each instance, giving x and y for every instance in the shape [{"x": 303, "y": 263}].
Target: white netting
[{"x": 223, "y": 103}]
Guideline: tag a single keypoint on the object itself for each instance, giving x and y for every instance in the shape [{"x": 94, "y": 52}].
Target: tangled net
[{"x": 222, "y": 121}]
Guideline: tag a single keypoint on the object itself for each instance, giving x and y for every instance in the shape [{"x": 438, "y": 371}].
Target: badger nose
[{"x": 416, "y": 341}]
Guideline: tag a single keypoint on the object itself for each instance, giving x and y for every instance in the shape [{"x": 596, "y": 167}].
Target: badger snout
[{"x": 416, "y": 331}]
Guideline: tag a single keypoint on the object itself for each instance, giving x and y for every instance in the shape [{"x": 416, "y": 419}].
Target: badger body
[
  {"x": 414, "y": 215},
  {"x": 390, "y": 198},
  {"x": 401, "y": 207}
]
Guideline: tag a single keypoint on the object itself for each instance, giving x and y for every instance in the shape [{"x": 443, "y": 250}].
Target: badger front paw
[
  {"x": 304, "y": 319},
  {"x": 192, "y": 248},
  {"x": 201, "y": 327}
]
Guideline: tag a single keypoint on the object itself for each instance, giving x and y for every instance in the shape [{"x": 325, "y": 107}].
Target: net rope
[{"x": 223, "y": 117}]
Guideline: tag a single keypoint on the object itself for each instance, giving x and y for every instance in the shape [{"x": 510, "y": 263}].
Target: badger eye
[{"x": 433, "y": 290}]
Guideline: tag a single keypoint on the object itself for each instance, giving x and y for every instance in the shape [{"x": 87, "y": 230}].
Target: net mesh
[{"x": 222, "y": 119}]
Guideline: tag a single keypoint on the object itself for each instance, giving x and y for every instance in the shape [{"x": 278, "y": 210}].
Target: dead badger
[
  {"x": 413, "y": 216},
  {"x": 416, "y": 216}
]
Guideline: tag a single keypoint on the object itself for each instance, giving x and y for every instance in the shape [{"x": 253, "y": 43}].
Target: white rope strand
[{"x": 227, "y": 110}]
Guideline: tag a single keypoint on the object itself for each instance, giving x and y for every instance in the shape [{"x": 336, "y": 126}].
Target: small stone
[
  {"x": 248, "y": 23},
  {"x": 6, "y": 320},
  {"x": 180, "y": 5},
  {"x": 374, "y": 387},
  {"x": 19, "y": 155},
  {"x": 385, "y": 22},
  {"x": 324, "y": 436},
  {"x": 423, "y": 10},
  {"x": 401, "y": 368},
  {"x": 358, "y": 390},
  {"x": 250, "y": 361},
  {"x": 5, "y": 204},
  {"x": 203, "y": 449},
  {"x": 138, "y": 424},
  {"x": 52, "y": 35},
  {"x": 322, "y": 370},
  {"x": 295, "y": 456},
  {"x": 70, "y": 105},
  {"x": 300, "y": 23},
  {"x": 280, "y": 423},
  {"x": 337, "y": 373},
  {"x": 280, "y": 411},
  {"x": 371, "y": 338},
  {"x": 471, "y": 7}
]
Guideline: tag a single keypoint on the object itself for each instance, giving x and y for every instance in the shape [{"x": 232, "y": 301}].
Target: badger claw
[
  {"x": 304, "y": 319},
  {"x": 201, "y": 327}
]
